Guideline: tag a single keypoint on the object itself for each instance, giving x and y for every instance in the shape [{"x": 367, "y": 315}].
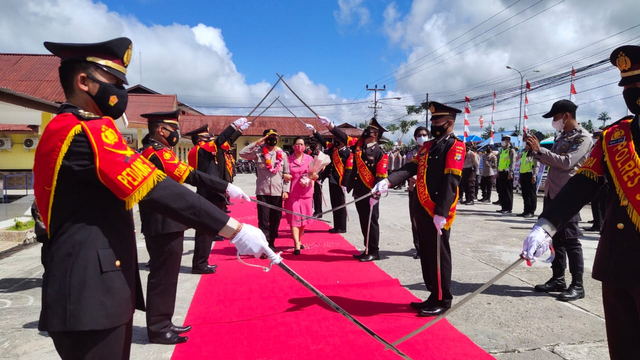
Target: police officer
[
  {"x": 338, "y": 172},
  {"x": 86, "y": 181},
  {"x": 164, "y": 237},
  {"x": 204, "y": 157},
  {"x": 506, "y": 168},
  {"x": 437, "y": 192},
  {"x": 616, "y": 262},
  {"x": 570, "y": 149},
  {"x": 529, "y": 167},
  {"x": 370, "y": 167}
]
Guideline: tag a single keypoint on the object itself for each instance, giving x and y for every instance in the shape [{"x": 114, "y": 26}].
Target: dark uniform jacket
[
  {"x": 616, "y": 260},
  {"x": 154, "y": 222},
  {"x": 220, "y": 156},
  {"x": 330, "y": 170},
  {"x": 91, "y": 280},
  {"x": 374, "y": 158},
  {"x": 442, "y": 185},
  {"x": 211, "y": 164}
]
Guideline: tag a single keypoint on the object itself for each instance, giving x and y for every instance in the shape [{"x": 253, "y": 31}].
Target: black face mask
[
  {"x": 439, "y": 130},
  {"x": 173, "y": 137},
  {"x": 632, "y": 99},
  {"x": 271, "y": 141},
  {"x": 111, "y": 99}
]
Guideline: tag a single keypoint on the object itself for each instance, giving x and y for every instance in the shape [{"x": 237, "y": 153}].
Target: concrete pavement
[{"x": 509, "y": 320}]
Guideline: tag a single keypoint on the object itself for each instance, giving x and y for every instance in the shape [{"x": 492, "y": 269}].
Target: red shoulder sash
[{"x": 176, "y": 169}]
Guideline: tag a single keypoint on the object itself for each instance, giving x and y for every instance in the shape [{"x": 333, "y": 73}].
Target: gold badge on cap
[
  {"x": 126, "y": 59},
  {"x": 432, "y": 109},
  {"x": 623, "y": 63}
]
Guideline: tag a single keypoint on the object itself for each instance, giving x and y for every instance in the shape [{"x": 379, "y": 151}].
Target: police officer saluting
[
  {"x": 435, "y": 210},
  {"x": 370, "y": 167},
  {"x": 86, "y": 181},
  {"x": 613, "y": 163},
  {"x": 164, "y": 237}
]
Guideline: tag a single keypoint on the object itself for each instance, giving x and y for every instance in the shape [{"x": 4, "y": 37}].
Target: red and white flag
[
  {"x": 572, "y": 95},
  {"x": 481, "y": 120},
  {"x": 467, "y": 110},
  {"x": 493, "y": 109}
]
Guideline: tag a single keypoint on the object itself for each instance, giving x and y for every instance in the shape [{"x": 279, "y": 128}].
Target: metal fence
[{"x": 16, "y": 182}]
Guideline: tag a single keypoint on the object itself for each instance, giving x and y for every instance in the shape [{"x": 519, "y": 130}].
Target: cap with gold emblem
[
  {"x": 373, "y": 123},
  {"x": 201, "y": 131},
  {"x": 167, "y": 117},
  {"x": 437, "y": 109},
  {"x": 112, "y": 56},
  {"x": 627, "y": 60},
  {"x": 269, "y": 132}
]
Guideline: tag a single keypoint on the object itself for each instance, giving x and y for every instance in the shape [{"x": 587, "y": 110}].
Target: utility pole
[{"x": 375, "y": 97}]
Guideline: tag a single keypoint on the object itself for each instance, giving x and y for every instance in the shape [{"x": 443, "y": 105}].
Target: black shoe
[
  {"x": 593, "y": 228},
  {"x": 470, "y": 202},
  {"x": 218, "y": 238},
  {"x": 432, "y": 311},
  {"x": 553, "y": 285},
  {"x": 180, "y": 329},
  {"x": 416, "y": 256},
  {"x": 523, "y": 214},
  {"x": 205, "y": 271},
  {"x": 227, "y": 211},
  {"x": 419, "y": 305},
  {"x": 168, "y": 338},
  {"x": 528, "y": 216},
  {"x": 504, "y": 211},
  {"x": 574, "y": 292},
  {"x": 360, "y": 256},
  {"x": 370, "y": 257},
  {"x": 337, "y": 231},
  {"x": 296, "y": 252},
  {"x": 496, "y": 203}
]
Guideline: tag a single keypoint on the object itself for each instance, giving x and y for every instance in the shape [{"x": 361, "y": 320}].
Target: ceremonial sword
[
  {"x": 269, "y": 92},
  {"x": 340, "y": 310},
  {"x": 296, "y": 95},
  {"x": 265, "y": 109},
  {"x": 286, "y": 211},
  {"x": 460, "y": 303},
  {"x": 345, "y": 204}
]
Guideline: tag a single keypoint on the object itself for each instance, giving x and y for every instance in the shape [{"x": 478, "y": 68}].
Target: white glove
[
  {"x": 344, "y": 189},
  {"x": 245, "y": 126},
  {"x": 236, "y": 193},
  {"x": 372, "y": 201},
  {"x": 536, "y": 244},
  {"x": 439, "y": 222},
  {"x": 310, "y": 127},
  {"x": 325, "y": 121},
  {"x": 251, "y": 241},
  {"x": 240, "y": 122},
  {"x": 381, "y": 187}
]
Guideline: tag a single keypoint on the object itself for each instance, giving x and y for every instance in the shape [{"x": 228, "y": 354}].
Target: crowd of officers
[{"x": 88, "y": 304}]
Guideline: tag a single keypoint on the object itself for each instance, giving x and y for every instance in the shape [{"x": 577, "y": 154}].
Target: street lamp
[
  {"x": 375, "y": 104},
  {"x": 521, "y": 92}
]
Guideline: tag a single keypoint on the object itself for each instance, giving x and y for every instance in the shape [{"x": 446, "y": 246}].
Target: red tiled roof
[
  {"x": 146, "y": 103},
  {"x": 286, "y": 126},
  {"x": 19, "y": 127},
  {"x": 34, "y": 75}
]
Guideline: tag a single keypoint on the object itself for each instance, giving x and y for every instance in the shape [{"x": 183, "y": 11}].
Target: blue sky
[{"x": 222, "y": 56}]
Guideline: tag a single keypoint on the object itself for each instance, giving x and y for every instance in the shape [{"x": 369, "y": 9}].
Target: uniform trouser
[
  {"x": 112, "y": 343},
  {"x": 363, "y": 213},
  {"x": 337, "y": 199},
  {"x": 317, "y": 197},
  {"x": 269, "y": 219},
  {"x": 413, "y": 198},
  {"x": 202, "y": 242},
  {"x": 428, "y": 258},
  {"x": 622, "y": 319},
  {"x": 598, "y": 204},
  {"x": 486, "y": 185},
  {"x": 505, "y": 190},
  {"x": 468, "y": 183},
  {"x": 529, "y": 196},
  {"x": 165, "y": 253},
  {"x": 478, "y": 184},
  {"x": 567, "y": 245}
]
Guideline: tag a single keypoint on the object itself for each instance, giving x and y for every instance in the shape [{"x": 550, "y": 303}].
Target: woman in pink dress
[{"x": 300, "y": 197}]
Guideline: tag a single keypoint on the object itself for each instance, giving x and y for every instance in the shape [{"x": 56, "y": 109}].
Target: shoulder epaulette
[
  {"x": 157, "y": 146},
  {"x": 86, "y": 115}
]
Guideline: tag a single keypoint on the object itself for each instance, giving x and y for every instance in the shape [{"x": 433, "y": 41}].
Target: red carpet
[{"x": 242, "y": 312}]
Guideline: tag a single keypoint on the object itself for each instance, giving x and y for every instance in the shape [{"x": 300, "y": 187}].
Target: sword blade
[
  {"x": 265, "y": 109},
  {"x": 296, "y": 95},
  {"x": 269, "y": 92},
  {"x": 340, "y": 310},
  {"x": 286, "y": 211},
  {"x": 345, "y": 204},
  {"x": 460, "y": 303}
]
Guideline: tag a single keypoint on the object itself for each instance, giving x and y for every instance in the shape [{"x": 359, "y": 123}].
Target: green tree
[
  {"x": 486, "y": 133},
  {"x": 415, "y": 109},
  {"x": 604, "y": 117},
  {"x": 405, "y": 126},
  {"x": 588, "y": 125},
  {"x": 393, "y": 128},
  {"x": 362, "y": 125}
]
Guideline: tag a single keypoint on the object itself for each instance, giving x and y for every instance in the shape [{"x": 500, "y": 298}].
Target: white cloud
[{"x": 350, "y": 10}]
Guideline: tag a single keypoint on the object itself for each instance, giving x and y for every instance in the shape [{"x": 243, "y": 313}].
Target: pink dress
[{"x": 300, "y": 197}]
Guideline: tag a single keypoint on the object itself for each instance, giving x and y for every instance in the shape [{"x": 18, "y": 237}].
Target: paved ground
[{"x": 508, "y": 320}]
